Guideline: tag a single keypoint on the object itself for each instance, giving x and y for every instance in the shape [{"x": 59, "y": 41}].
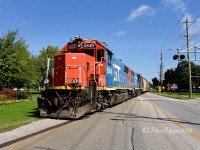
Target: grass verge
[
  {"x": 18, "y": 114},
  {"x": 178, "y": 95}
]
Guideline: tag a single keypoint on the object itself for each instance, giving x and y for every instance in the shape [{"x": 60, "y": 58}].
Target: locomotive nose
[{"x": 73, "y": 69}]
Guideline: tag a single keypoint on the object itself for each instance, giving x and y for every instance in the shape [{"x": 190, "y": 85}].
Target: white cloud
[
  {"x": 177, "y": 5},
  {"x": 143, "y": 10},
  {"x": 120, "y": 33},
  {"x": 180, "y": 7}
]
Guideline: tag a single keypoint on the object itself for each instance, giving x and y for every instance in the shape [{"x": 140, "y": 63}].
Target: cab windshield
[{"x": 88, "y": 52}]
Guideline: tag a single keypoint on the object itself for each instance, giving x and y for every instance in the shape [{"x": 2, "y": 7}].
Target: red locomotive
[{"x": 87, "y": 77}]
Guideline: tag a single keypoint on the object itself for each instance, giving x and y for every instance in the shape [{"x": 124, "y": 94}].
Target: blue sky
[{"x": 135, "y": 30}]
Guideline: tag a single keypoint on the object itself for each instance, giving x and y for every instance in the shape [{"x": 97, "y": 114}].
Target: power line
[
  {"x": 195, "y": 8},
  {"x": 172, "y": 34},
  {"x": 186, "y": 10}
]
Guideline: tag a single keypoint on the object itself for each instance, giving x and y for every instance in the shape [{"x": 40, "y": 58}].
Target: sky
[{"x": 135, "y": 30}]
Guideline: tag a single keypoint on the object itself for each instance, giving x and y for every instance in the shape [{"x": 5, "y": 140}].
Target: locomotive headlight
[
  {"x": 75, "y": 81},
  {"x": 46, "y": 81}
]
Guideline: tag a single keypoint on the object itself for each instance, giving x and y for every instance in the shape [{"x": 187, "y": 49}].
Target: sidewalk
[
  {"x": 197, "y": 101},
  {"x": 29, "y": 129}
]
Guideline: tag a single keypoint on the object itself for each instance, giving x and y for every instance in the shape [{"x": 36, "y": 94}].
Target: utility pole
[
  {"x": 181, "y": 57},
  {"x": 161, "y": 70},
  {"x": 188, "y": 56}
]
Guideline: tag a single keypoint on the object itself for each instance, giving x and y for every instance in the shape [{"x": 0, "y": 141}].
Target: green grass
[
  {"x": 18, "y": 114},
  {"x": 179, "y": 95}
]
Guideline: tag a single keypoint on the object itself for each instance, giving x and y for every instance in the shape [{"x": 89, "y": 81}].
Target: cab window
[
  {"x": 125, "y": 69},
  {"x": 100, "y": 54},
  {"x": 89, "y": 52},
  {"x": 109, "y": 58}
]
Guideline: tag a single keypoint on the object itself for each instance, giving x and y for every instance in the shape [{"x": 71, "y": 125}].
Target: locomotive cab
[{"x": 97, "y": 52}]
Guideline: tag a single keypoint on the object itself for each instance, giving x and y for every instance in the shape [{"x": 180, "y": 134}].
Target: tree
[
  {"x": 155, "y": 81},
  {"x": 196, "y": 72},
  {"x": 169, "y": 77},
  {"x": 182, "y": 75},
  {"x": 16, "y": 66},
  {"x": 45, "y": 53}
]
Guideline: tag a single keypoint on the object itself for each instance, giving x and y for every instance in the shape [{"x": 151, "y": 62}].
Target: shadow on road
[{"x": 124, "y": 116}]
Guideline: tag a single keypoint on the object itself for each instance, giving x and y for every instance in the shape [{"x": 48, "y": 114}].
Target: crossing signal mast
[{"x": 180, "y": 55}]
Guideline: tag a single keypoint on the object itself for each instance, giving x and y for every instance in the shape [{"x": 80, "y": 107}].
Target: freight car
[{"x": 87, "y": 77}]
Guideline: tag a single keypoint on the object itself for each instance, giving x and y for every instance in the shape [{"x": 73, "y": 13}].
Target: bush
[
  {"x": 10, "y": 94},
  {"x": 3, "y": 97},
  {"x": 24, "y": 95}
]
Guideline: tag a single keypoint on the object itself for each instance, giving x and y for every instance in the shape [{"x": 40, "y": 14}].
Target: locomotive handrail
[{"x": 99, "y": 65}]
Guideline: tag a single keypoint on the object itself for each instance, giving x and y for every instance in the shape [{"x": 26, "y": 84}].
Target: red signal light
[
  {"x": 175, "y": 57},
  {"x": 182, "y": 57}
]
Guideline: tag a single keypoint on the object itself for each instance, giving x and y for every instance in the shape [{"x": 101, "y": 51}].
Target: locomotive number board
[{"x": 88, "y": 45}]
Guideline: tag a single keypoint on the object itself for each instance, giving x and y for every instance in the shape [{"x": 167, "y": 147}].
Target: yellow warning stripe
[
  {"x": 82, "y": 87},
  {"x": 65, "y": 88}
]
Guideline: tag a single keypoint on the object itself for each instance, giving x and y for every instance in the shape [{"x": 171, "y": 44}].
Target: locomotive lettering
[
  {"x": 116, "y": 66},
  {"x": 109, "y": 70},
  {"x": 73, "y": 46}
]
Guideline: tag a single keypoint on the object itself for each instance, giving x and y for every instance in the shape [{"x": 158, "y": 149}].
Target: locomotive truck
[{"x": 87, "y": 77}]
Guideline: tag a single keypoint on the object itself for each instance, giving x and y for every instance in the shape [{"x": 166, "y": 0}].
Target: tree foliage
[
  {"x": 18, "y": 68},
  {"x": 155, "y": 82},
  {"x": 45, "y": 53},
  {"x": 16, "y": 65},
  {"x": 196, "y": 72},
  {"x": 180, "y": 75},
  {"x": 169, "y": 77}
]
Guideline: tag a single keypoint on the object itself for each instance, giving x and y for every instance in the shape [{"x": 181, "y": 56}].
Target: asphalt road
[{"x": 148, "y": 122}]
